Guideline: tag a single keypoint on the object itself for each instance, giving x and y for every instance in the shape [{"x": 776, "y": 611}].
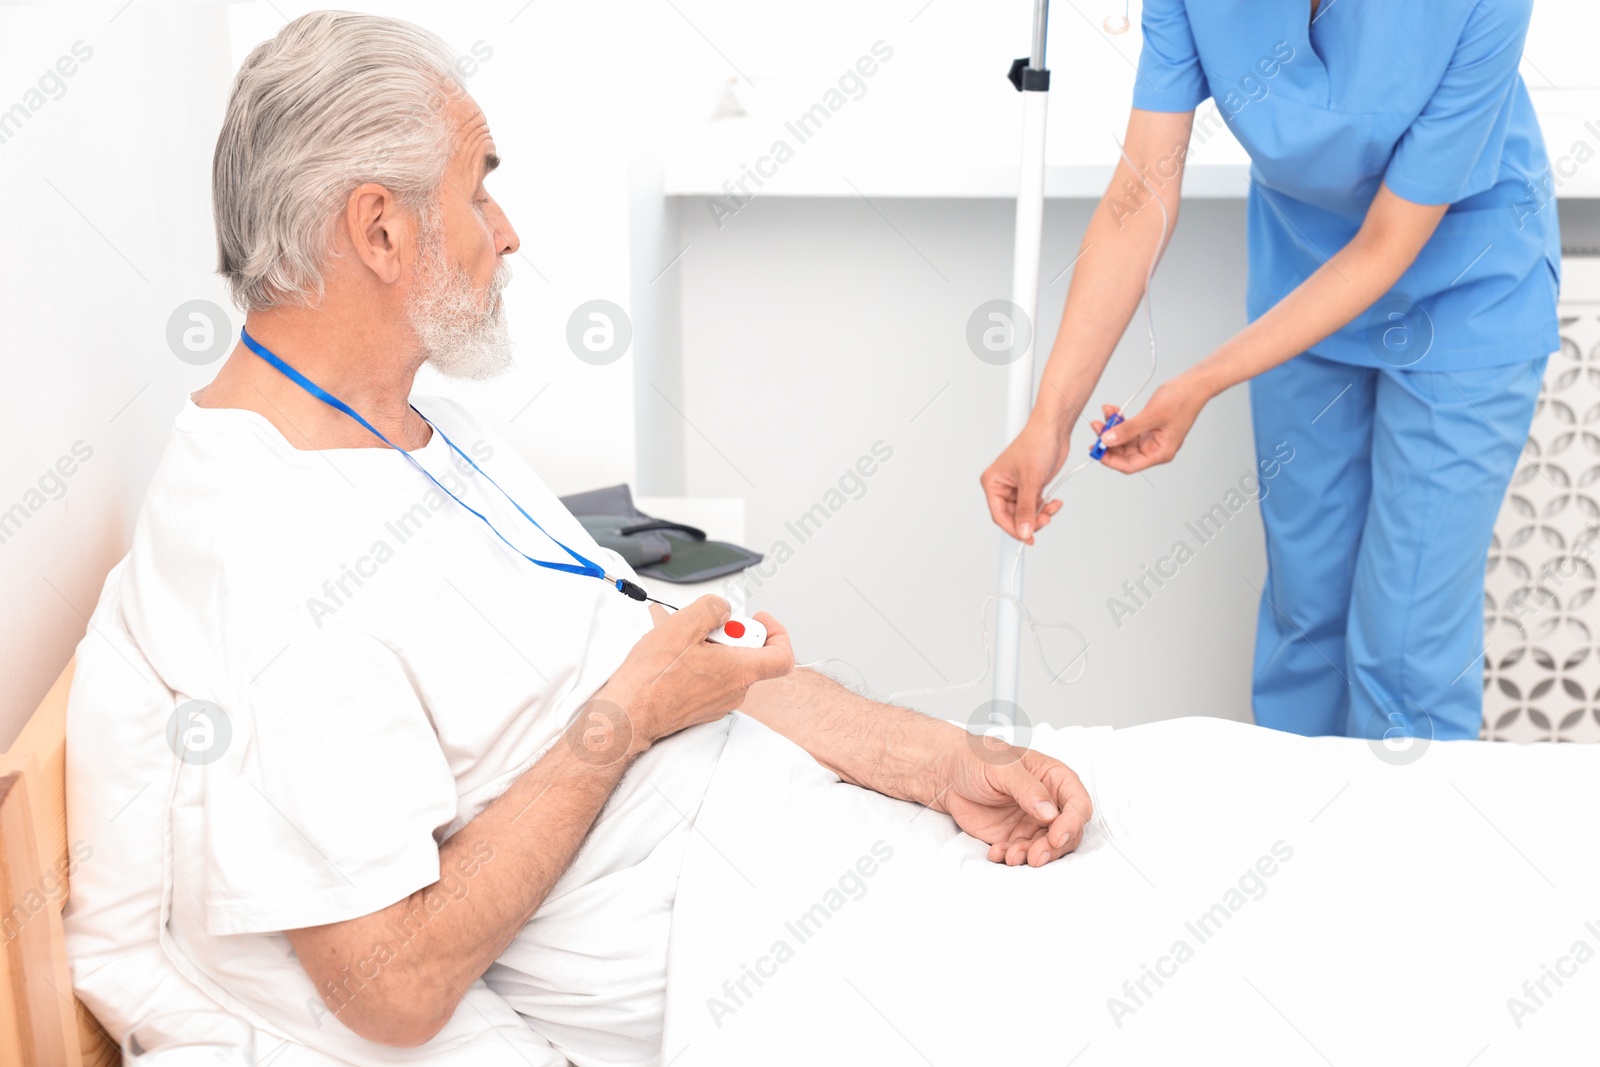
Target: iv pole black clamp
[
  {"x": 1029, "y": 74},
  {"x": 1026, "y": 78}
]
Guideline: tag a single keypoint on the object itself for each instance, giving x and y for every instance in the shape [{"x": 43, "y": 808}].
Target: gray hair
[{"x": 334, "y": 101}]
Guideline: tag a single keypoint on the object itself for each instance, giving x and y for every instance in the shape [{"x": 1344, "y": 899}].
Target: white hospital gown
[{"x": 384, "y": 667}]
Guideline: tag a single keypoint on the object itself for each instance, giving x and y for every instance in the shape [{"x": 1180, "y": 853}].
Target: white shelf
[
  {"x": 704, "y": 178},
  {"x": 868, "y": 158}
]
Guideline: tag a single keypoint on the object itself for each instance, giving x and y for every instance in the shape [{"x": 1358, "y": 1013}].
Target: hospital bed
[
  {"x": 1242, "y": 897},
  {"x": 41, "y": 1023},
  {"x": 1337, "y": 901}
]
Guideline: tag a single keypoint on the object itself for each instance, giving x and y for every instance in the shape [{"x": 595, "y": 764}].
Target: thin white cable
[
  {"x": 1034, "y": 625},
  {"x": 1012, "y": 594}
]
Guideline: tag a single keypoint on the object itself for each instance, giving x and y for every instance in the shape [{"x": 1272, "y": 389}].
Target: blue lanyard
[{"x": 583, "y": 566}]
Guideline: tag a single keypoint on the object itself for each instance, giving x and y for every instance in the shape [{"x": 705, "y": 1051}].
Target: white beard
[{"x": 462, "y": 331}]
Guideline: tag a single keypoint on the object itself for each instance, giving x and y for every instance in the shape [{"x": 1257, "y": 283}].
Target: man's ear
[{"x": 378, "y": 229}]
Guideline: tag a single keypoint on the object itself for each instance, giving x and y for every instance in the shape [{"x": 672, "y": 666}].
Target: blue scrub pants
[{"x": 1378, "y": 532}]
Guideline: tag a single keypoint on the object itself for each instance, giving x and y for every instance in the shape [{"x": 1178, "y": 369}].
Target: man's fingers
[
  {"x": 777, "y": 655},
  {"x": 770, "y": 660},
  {"x": 1031, "y": 795},
  {"x": 659, "y": 614},
  {"x": 1052, "y": 811},
  {"x": 1066, "y": 833},
  {"x": 1076, "y": 811},
  {"x": 1034, "y": 850},
  {"x": 1017, "y": 851},
  {"x": 774, "y": 659},
  {"x": 1041, "y": 852},
  {"x": 707, "y": 613}
]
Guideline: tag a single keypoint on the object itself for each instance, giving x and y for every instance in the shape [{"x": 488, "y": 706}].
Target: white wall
[
  {"x": 107, "y": 230},
  {"x": 813, "y": 329}
]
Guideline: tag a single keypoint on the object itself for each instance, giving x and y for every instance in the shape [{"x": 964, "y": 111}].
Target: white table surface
[{"x": 721, "y": 517}]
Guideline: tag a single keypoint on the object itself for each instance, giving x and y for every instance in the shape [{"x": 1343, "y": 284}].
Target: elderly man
[{"x": 459, "y": 758}]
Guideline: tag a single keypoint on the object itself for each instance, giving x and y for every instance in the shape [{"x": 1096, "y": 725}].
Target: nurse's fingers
[
  {"x": 1099, "y": 425},
  {"x": 1001, "y": 496},
  {"x": 1028, "y": 508},
  {"x": 1129, "y": 460},
  {"x": 1128, "y": 429},
  {"x": 1046, "y": 513},
  {"x": 1138, "y": 442}
]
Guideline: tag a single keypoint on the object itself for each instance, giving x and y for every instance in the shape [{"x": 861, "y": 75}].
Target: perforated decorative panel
[{"x": 1541, "y": 623}]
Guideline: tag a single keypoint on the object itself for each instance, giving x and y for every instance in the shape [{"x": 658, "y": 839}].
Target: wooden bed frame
[{"x": 41, "y": 1023}]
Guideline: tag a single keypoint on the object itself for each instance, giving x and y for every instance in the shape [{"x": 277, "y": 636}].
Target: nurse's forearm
[
  {"x": 1388, "y": 242},
  {"x": 1108, "y": 279}
]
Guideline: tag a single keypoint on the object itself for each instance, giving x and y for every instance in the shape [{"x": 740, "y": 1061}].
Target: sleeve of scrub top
[
  {"x": 326, "y": 805},
  {"x": 1452, "y": 150},
  {"x": 1169, "y": 76}
]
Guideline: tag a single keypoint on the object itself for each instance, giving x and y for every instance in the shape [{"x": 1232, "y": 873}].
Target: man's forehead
[{"x": 477, "y": 149}]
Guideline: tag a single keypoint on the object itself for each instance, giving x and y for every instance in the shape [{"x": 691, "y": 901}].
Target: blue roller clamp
[{"x": 1099, "y": 449}]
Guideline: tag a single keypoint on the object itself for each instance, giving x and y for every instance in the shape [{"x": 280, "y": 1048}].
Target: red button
[{"x": 733, "y": 628}]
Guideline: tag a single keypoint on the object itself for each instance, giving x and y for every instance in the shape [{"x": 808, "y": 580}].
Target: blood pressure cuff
[{"x": 656, "y": 548}]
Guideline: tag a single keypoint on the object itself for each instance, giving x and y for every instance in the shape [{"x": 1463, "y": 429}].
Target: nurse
[{"x": 1404, "y": 257}]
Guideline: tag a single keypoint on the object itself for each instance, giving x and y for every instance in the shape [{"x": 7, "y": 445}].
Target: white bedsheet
[{"x": 1406, "y": 906}]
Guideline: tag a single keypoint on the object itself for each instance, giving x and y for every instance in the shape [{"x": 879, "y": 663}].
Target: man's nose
[{"x": 509, "y": 242}]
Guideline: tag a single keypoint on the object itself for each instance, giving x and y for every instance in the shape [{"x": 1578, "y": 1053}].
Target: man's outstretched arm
[{"x": 1027, "y": 807}]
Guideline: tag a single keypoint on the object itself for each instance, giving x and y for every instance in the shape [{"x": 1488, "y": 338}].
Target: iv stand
[{"x": 1032, "y": 80}]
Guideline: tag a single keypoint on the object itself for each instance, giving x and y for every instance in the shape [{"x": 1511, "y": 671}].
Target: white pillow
[{"x": 118, "y": 773}]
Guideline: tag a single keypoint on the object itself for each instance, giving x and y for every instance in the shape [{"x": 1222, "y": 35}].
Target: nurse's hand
[
  {"x": 1013, "y": 482},
  {"x": 1155, "y": 434}
]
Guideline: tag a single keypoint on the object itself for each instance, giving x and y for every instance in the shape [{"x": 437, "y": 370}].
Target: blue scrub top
[{"x": 1424, "y": 97}]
